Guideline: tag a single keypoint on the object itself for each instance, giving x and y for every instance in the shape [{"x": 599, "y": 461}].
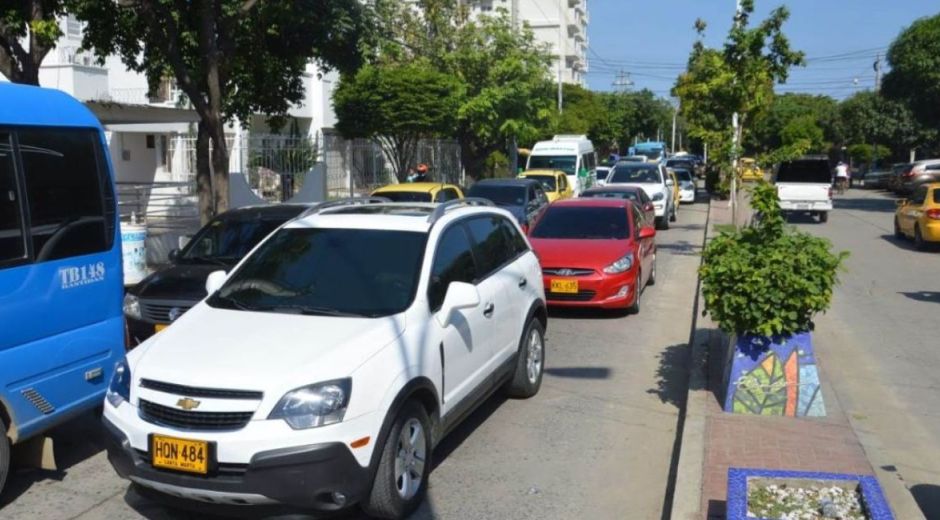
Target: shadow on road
[
  {"x": 923, "y": 296},
  {"x": 580, "y": 372},
  {"x": 881, "y": 205},
  {"x": 927, "y": 497},
  {"x": 908, "y": 245},
  {"x": 672, "y": 375},
  {"x": 585, "y": 313}
]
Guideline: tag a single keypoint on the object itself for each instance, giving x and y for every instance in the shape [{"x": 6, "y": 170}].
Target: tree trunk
[
  {"x": 472, "y": 159},
  {"x": 204, "y": 175},
  {"x": 219, "y": 168}
]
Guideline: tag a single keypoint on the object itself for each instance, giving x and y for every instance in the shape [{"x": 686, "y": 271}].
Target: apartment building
[{"x": 560, "y": 24}]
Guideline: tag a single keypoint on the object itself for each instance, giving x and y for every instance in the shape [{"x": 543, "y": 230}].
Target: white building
[{"x": 561, "y": 24}]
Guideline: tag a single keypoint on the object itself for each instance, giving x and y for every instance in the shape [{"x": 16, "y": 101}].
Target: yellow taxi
[
  {"x": 554, "y": 183},
  {"x": 419, "y": 192},
  {"x": 750, "y": 171},
  {"x": 675, "y": 187},
  {"x": 918, "y": 217}
]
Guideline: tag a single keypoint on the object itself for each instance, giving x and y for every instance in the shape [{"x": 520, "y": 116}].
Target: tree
[
  {"x": 232, "y": 59},
  {"x": 35, "y": 22},
  {"x": 767, "y": 130},
  {"x": 871, "y": 118},
  {"x": 397, "y": 104},
  {"x": 914, "y": 58},
  {"x": 631, "y": 115}
]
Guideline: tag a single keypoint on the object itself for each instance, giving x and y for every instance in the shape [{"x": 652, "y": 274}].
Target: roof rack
[
  {"x": 441, "y": 209},
  {"x": 350, "y": 201}
]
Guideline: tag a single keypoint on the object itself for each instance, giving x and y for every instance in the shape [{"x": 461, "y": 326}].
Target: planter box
[
  {"x": 873, "y": 500},
  {"x": 773, "y": 376}
]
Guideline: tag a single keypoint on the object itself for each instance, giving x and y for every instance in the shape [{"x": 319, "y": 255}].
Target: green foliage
[
  {"x": 867, "y": 154},
  {"x": 629, "y": 116},
  {"x": 768, "y": 279},
  {"x": 767, "y": 132},
  {"x": 398, "y": 104},
  {"x": 914, "y": 78},
  {"x": 870, "y": 118},
  {"x": 497, "y": 166},
  {"x": 28, "y": 31},
  {"x": 803, "y": 128}
]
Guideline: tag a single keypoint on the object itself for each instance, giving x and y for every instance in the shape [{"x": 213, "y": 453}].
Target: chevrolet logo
[{"x": 188, "y": 403}]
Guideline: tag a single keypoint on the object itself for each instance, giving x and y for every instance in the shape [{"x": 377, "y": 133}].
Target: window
[
  {"x": 807, "y": 170},
  {"x": 228, "y": 240},
  {"x": 405, "y": 196},
  {"x": 66, "y": 189},
  {"x": 446, "y": 194},
  {"x": 501, "y": 195},
  {"x": 516, "y": 244},
  {"x": 933, "y": 167},
  {"x": 583, "y": 223},
  {"x": 453, "y": 262},
  {"x": 12, "y": 243},
  {"x": 936, "y": 196},
  {"x": 491, "y": 247},
  {"x": 635, "y": 173},
  {"x": 565, "y": 163},
  {"x": 532, "y": 201},
  {"x": 562, "y": 183},
  {"x": 919, "y": 196},
  {"x": 638, "y": 221}
]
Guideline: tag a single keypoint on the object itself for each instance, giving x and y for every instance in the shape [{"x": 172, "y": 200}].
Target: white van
[{"x": 573, "y": 154}]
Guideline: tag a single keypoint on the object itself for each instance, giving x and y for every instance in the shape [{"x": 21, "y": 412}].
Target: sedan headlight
[
  {"x": 621, "y": 265},
  {"x": 119, "y": 390},
  {"x": 315, "y": 405},
  {"x": 132, "y": 306},
  {"x": 658, "y": 197}
]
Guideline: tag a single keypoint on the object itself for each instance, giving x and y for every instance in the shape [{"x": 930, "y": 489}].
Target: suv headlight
[
  {"x": 132, "y": 306},
  {"x": 621, "y": 265},
  {"x": 658, "y": 197},
  {"x": 119, "y": 390},
  {"x": 314, "y": 405}
]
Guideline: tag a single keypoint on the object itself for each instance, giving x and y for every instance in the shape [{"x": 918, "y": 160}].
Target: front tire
[
  {"x": 530, "y": 362},
  {"x": 823, "y": 217},
  {"x": 4, "y": 454},
  {"x": 635, "y": 308},
  {"x": 401, "y": 480},
  {"x": 674, "y": 215},
  {"x": 652, "y": 279}
]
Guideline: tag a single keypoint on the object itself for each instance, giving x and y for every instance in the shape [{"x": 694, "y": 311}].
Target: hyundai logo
[{"x": 565, "y": 272}]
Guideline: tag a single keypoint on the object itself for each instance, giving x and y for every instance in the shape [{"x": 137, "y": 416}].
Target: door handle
[
  {"x": 488, "y": 310},
  {"x": 523, "y": 282}
]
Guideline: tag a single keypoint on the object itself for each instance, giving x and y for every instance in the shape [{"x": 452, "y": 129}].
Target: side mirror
[
  {"x": 647, "y": 232},
  {"x": 173, "y": 255},
  {"x": 183, "y": 240},
  {"x": 669, "y": 182},
  {"x": 460, "y": 295},
  {"x": 215, "y": 281}
]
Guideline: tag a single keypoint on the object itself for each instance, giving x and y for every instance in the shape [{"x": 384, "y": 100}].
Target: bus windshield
[{"x": 565, "y": 163}]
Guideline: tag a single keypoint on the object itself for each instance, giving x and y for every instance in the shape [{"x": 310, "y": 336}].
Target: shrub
[{"x": 768, "y": 279}]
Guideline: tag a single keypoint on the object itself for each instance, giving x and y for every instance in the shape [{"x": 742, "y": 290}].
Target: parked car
[
  {"x": 653, "y": 179},
  {"x": 595, "y": 252},
  {"x": 554, "y": 183},
  {"x": 686, "y": 185},
  {"x": 419, "y": 192},
  {"x": 330, "y": 386},
  {"x": 918, "y": 217},
  {"x": 673, "y": 182},
  {"x": 524, "y": 198},
  {"x": 750, "y": 171},
  {"x": 805, "y": 186},
  {"x": 877, "y": 179},
  {"x": 635, "y": 193},
  {"x": 681, "y": 162},
  {"x": 920, "y": 173},
  {"x": 161, "y": 298},
  {"x": 602, "y": 173},
  {"x": 898, "y": 169}
]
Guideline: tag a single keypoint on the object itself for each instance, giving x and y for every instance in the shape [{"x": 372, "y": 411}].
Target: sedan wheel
[{"x": 919, "y": 241}]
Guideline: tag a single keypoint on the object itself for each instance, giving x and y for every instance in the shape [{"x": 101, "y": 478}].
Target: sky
[{"x": 650, "y": 40}]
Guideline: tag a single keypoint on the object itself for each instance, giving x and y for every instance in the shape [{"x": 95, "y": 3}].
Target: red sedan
[{"x": 595, "y": 252}]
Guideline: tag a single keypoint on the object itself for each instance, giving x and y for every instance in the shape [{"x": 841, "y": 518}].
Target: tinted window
[
  {"x": 65, "y": 189},
  {"x": 602, "y": 173},
  {"x": 677, "y": 164},
  {"x": 635, "y": 173},
  {"x": 814, "y": 171},
  {"x": 582, "y": 223},
  {"x": 499, "y": 195},
  {"x": 547, "y": 181},
  {"x": 565, "y": 163},
  {"x": 328, "y": 271},
  {"x": 684, "y": 175},
  {"x": 450, "y": 194},
  {"x": 491, "y": 245},
  {"x": 638, "y": 221},
  {"x": 517, "y": 244},
  {"x": 12, "y": 245},
  {"x": 405, "y": 196},
  {"x": 453, "y": 262},
  {"x": 919, "y": 196},
  {"x": 229, "y": 239},
  {"x": 933, "y": 167},
  {"x": 936, "y": 196}
]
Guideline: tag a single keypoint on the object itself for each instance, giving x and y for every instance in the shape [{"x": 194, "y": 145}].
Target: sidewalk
[{"x": 713, "y": 441}]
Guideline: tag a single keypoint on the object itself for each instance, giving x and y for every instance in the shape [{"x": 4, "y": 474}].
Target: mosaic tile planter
[
  {"x": 873, "y": 501},
  {"x": 773, "y": 376}
]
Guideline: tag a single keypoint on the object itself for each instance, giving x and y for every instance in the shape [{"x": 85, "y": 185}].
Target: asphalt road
[
  {"x": 880, "y": 343},
  {"x": 596, "y": 442}
]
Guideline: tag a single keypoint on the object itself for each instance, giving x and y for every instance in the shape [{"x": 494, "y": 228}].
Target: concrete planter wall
[
  {"x": 773, "y": 376},
  {"x": 873, "y": 499}
]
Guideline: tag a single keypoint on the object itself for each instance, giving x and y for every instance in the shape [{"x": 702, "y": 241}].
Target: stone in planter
[
  {"x": 773, "y": 376},
  {"x": 807, "y": 495}
]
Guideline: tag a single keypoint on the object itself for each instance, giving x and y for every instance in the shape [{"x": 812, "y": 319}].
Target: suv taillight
[
  {"x": 933, "y": 214},
  {"x": 830, "y": 192},
  {"x": 908, "y": 173}
]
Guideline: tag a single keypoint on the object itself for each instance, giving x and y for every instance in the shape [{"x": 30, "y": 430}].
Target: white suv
[
  {"x": 325, "y": 367},
  {"x": 654, "y": 180}
]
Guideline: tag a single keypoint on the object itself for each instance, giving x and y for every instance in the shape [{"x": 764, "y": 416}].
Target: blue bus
[
  {"x": 654, "y": 151},
  {"x": 61, "y": 280}
]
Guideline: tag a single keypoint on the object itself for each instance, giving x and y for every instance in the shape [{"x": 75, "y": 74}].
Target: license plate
[
  {"x": 159, "y": 326},
  {"x": 564, "y": 286},
  {"x": 802, "y": 206},
  {"x": 179, "y": 454}
]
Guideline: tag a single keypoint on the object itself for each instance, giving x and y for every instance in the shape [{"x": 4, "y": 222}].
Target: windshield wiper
[
  {"x": 232, "y": 303},
  {"x": 312, "y": 311}
]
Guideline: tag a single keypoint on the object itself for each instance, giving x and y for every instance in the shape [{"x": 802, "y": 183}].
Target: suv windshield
[
  {"x": 329, "y": 272},
  {"x": 564, "y": 163},
  {"x": 227, "y": 240},
  {"x": 635, "y": 173},
  {"x": 683, "y": 175},
  {"x": 405, "y": 196},
  {"x": 499, "y": 195},
  {"x": 582, "y": 223},
  {"x": 547, "y": 181},
  {"x": 805, "y": 170}
]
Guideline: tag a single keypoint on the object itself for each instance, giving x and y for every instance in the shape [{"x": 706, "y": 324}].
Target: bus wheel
[{"x": 4, "y": 454}]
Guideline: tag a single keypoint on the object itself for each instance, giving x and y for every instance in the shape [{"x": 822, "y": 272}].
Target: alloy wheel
[
  {"x": 534, "y": 356},
  {"x": 412, "y": 455}
]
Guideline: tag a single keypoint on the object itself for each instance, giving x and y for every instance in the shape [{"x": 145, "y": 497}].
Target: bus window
[
  {"x": 65, "y": 191},
  {"x": 12, "y": 245}
]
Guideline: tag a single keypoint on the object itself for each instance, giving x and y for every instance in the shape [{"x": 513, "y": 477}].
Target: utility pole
[
  {"x": 877, "y": 67},
  {"x": 561, "y": 53},
  {"x": 675, "y": 113}
]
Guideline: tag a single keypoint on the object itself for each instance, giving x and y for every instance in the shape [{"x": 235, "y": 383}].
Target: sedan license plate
[
  {"x": 564, "y": 286},
  {"x": 179, "y": 454}
]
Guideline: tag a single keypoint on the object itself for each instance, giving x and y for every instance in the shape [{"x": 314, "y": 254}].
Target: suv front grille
[
  {"x": 214, "y": 421},
  {"x": 159, "y": 311},
  {"x": 583, "y": 296},
  {"x": 191, "y": 391}
]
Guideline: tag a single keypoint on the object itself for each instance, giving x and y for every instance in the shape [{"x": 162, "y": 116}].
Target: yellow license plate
[
  {"x": 159, "y": 326},
  {"x": 180, "y": 454},
  {"x": 564, "y": 286}
]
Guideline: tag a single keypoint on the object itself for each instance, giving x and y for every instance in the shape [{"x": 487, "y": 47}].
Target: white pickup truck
[{"x": 805, "y": 186}]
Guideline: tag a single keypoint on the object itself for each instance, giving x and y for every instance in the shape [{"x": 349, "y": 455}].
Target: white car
[
  {"x": 654, "y": 180},
  {"x": 322, "y": 371},
  {"x": 686, "y": 185}
]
